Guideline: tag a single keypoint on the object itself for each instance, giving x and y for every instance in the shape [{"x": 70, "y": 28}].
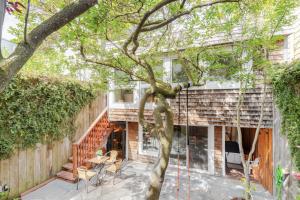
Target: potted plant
[
  {"x": 4, "y": 192},
  {"x": 99, "y": 153}
]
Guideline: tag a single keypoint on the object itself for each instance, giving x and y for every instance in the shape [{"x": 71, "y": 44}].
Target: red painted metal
[{"x": 93, "y": 139}]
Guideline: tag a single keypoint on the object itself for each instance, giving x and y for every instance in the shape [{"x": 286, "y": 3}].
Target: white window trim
[
  {"x": 211, "y": 149},
  {"x": 127, "y": 141},
  {"x": 223, "y": 152}
]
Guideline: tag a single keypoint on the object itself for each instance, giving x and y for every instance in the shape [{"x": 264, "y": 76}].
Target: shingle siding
[{"x": 212, "y": 107}]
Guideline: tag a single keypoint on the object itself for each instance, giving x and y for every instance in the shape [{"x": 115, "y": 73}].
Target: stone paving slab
[{"x": 133, "y": 183}]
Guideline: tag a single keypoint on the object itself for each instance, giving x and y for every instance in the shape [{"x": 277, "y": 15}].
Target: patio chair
[
  {"x": 253, "y": 164},
  {"x": 113, "y": 154},
  {"x": 116, "y": 168},
  {"x": 85, "y": 175}
]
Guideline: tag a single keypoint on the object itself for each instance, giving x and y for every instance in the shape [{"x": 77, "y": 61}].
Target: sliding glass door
[{"x": 198, "y": 147}]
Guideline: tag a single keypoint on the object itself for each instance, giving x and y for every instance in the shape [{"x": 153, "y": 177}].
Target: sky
[{"x": 9, "y": 21}]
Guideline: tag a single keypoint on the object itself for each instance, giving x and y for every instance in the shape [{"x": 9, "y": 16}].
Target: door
[
  {"x": 198, "y": 147},
  {"x": 265, "y": 168}
]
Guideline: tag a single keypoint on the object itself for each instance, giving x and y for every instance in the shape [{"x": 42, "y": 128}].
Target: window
[
  {"x": 220, "y": 63},
  {"x": 222, "y": 67},
  {"x": 150, "y": 141},
  {"x": 178, "y": 146},
  {"x": 178, "y": 74},
  {"x": 123, "y": 95}
]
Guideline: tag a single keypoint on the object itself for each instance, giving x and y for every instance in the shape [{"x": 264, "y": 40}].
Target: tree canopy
[{"x": 220, "y": 39}]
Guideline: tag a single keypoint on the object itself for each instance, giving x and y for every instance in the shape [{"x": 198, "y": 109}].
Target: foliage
[
  {"x": 39, "y": 109},
  {"x": 286, "y": 85},
  {"x": 4, "y": 195},
  {"x": 248, "y": 188},
  {"x": 132, "y": 35},
  {"x": 279, "y": 181}
]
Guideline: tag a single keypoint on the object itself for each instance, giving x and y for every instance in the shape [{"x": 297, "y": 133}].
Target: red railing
[{"x": 94, "y": 138}]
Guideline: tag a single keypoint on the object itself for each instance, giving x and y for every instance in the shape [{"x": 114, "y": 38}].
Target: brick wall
[{"x": 218, "y": 150}]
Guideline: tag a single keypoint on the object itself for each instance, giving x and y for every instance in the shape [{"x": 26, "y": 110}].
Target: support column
[
  {"x": 211, "y": 149},
  {"x": 223, "y": 152}
]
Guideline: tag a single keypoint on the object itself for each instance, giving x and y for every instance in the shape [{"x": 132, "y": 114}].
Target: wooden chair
[
  {"x": 116, "y": 168},
  {"x": 253, "y": 164},
  {"x": 85, "y": 175}
]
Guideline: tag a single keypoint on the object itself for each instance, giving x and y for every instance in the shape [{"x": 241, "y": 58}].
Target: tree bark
[
  {"x": 2, "y": 14},
  {"x": 163, "y": 128},
  {"x": 165, "y": 133},
  {"x": 10, "y": 66}
]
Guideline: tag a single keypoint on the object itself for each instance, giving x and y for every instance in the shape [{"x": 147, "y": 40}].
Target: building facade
[{"x": 211, "y": 117}]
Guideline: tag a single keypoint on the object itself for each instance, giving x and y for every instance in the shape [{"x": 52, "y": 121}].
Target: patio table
[{"x": 99, "y": 163}]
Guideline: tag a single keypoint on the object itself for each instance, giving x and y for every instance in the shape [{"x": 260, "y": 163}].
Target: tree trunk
[
  {"x": 246, "y": 163},
  {"x": 164, "y": 130}
]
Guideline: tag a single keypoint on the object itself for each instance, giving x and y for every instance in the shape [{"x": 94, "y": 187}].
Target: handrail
[
  {"x": 92, "y": 126},
  {"x": 86, "y": 147}
]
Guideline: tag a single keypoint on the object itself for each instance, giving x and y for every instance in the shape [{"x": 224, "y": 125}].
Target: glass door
[
  {"x": 198, "y": 147},
  {"x": 178, "y": 146}
]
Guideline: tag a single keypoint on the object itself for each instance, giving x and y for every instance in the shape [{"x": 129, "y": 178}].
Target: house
[{"x": 211, "y": 117}]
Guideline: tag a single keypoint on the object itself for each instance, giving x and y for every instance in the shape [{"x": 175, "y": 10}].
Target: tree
[
  {"x": 129, "y": 36},
  {"x": 31, "y": 41}
]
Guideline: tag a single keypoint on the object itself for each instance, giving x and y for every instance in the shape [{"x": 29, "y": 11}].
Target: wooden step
[
  {"x": 68, "y": 176},
  {"x": 68, "y": 167}
]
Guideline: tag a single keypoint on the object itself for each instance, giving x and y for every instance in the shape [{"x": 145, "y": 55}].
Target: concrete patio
[{"x": 133, "y": 183}]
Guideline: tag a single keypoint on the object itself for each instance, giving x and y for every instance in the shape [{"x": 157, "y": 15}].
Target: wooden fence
[{"x": 30, "y": 167}]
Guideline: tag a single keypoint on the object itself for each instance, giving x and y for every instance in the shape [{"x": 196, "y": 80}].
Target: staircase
[{"x": 85, "y": 148}]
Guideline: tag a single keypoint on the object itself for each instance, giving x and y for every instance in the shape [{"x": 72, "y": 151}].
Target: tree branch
[
  {"x": 2, "y": 14},
  {"x": 180, "y": 14},
  {"x": 259, "y": 124},
  {"x": 10, "y": 66},
  {"x": 134, "y": 36},
  {"x": 107, "y": 64},
  {"x": 26, "y": 21}
]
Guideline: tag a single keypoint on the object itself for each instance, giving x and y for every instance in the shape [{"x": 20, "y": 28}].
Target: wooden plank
[
  {"x": 4, "y": 178},
  {"x": 14, "y": 174},
  {"x": 30, "y": 168},
  {"x": 44, "y": 172},
  {"x": 60, "y": 155},
  {"x": 49, "y": 163},
  {"x": 37, "y": 165},
  {"x": 54, "y": 158},
  {"x": 22, "y": 170}
]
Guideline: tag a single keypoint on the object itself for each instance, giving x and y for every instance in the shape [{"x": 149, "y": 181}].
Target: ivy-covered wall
[
  {"x": 286, "y": 84},
  {"x": 39, "y": 109}
]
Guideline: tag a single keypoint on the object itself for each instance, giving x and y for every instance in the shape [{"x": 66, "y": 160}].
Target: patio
[{"x": 133, "y": 182}]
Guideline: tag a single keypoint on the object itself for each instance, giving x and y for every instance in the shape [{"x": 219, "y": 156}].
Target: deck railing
[{"x": 86, "y": 147}]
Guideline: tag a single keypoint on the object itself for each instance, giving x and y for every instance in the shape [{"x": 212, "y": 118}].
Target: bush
[
  {"x": 34, "y": 110},
  {"x": 286, "y": 85}
]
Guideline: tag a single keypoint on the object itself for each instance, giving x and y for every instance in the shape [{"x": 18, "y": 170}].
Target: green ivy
[
  {"x": 39, "y": 109},
  {"x": 286, "y": 85}
]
